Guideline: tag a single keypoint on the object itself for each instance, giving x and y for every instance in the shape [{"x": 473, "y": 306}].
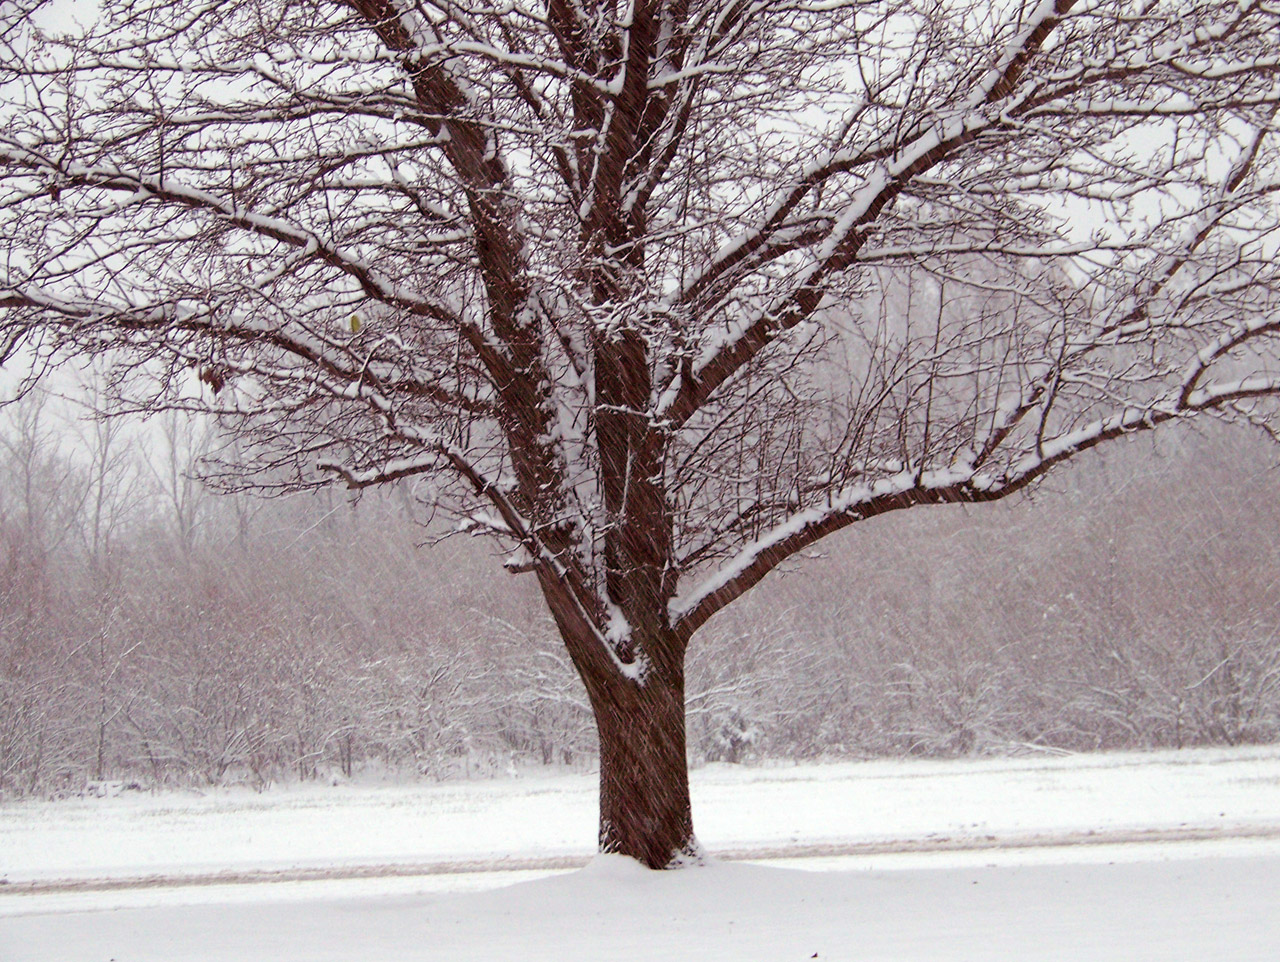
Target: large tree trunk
[{"x": 644, "y": 779}]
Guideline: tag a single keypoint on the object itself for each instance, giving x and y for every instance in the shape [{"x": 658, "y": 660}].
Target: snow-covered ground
[
  {"x": 1222, "y": 910},
  {"x": 1162, "y": 856}
]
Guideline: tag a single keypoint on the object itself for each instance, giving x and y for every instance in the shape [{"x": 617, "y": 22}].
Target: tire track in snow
[{"x": 932, "y": 843}]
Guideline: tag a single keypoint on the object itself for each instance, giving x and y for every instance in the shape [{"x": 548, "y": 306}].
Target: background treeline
[{"x": 155, "y": 632}]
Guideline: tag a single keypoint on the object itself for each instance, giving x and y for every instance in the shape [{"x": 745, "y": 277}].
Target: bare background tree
[{"x": 656, "y": 294}]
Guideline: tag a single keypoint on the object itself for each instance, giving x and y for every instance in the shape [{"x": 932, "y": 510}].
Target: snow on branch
[
  {"x": 138, "y": 188},
  {"x": 888, "y": 170},
  {"x": 962, "y": 482},
  {"x": 394, "y": 470}
]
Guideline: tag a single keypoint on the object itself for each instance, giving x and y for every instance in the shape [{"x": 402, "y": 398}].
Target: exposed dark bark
[
  {"x": 644, "y": 782},
  {"x": 640, "y": 722}
]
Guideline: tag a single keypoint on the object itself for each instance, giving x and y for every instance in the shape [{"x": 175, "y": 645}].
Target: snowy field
[{"x": 1162, "y": 856}]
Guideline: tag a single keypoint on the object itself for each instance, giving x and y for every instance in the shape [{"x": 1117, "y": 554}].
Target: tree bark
[
  {"x": 645, "y": 811},
  {"x": 644, "y": 781}
]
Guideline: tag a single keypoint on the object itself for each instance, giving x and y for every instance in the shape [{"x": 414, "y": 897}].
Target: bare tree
[
  {"x": 111, "y": 480},
  {"x": 45, "y": 490},
  {"x": 182, "y": 495},
  {"x": 622, "y": 284}
]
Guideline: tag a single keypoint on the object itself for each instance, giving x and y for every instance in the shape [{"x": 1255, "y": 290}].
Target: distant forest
[{"x": 153, "y": 631}]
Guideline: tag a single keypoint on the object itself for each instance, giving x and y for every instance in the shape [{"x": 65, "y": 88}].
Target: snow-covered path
[{"x": 954, "y": 860}]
